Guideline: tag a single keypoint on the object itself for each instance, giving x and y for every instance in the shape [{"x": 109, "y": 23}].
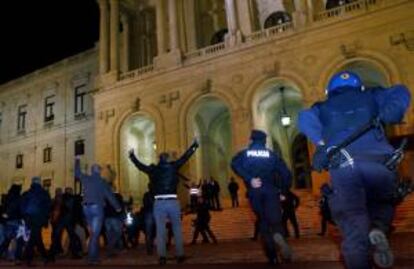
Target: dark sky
[{"x": 36, "y": 33}]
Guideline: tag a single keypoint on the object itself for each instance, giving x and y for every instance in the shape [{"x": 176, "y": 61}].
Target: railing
[
  {"x": 269, "y": 32},
  {"x": 348, "y": 8},
  {"x": 136, "y": 73},
  {"x": 210, "y": 50}
]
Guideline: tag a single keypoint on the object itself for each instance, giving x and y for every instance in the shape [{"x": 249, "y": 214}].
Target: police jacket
[
  {"x": 258, "y": 161},
  {"x": 336, "y": 118},
  {"x": 163, "y": 176}
]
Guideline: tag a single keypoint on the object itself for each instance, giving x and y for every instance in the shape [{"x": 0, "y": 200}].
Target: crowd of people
[{"x": 359, "y": 199}]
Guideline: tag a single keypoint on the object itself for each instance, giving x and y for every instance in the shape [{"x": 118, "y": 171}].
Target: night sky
[{"x": 36, "y": 33}]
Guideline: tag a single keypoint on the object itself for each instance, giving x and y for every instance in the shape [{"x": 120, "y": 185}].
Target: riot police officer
[
  {"x": 265, "y": 176},
  {"x": 362, "y": 184}
]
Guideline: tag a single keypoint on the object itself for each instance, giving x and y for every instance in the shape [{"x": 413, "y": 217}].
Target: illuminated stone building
[{"x": 165, "y": 71}]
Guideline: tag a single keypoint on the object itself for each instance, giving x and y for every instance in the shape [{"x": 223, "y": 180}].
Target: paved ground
[{"x": 310, "y": 252}]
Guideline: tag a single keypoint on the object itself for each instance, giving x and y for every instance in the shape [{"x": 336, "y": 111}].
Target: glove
[{"x": 320, "y": 159}]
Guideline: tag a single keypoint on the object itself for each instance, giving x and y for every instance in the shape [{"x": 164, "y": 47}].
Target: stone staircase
[
  {"x": 238, "y": 223},
  {"x": 404, "y": 216}
]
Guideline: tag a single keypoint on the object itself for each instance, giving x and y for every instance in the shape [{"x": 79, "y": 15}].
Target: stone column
[
  {"x": 114, "y": 35},
  {"x": 214, "y": 15},
  {"x": 172, "y": 21},
  {"x": 103, "y": 36},
  {"x": 299, "y": 15},
  {"x": 125, "y": 37},
  {"x": 244, "y": 14},
  {"x": 190, "y": 25},
  {"x": 310, "y": 10},
  {"x": 159, "y": 12},
  {"x": 231, "y": 22}
]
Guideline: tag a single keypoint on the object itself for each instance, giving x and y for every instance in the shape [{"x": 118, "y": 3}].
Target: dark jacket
[
  {"x": 342, "y": 114},
  {"x": 95, "y": 189},
  {"x": 290, "y": 203},
  {"x": 110, "y": 212},
  {"x": 12, "y": 203},
  {"x": 233, "y": 187},
  {"x": 203, "y": 215},
  {"x": 163, "y": 176},
  {"x": 36, "y": 205}
]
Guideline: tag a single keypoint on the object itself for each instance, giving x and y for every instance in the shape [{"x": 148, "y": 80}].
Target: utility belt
[
  {"x": 162, "y": 197},
  {"x": 345, "y": 159}
]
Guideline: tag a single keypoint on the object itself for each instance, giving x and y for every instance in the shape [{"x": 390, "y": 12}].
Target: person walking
[{"x": 96, "y": 193}]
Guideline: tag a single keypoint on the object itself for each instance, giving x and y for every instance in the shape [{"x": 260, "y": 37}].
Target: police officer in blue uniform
[
  {"x": 265, "y": 176},
  {"x": 362, "y": 184}
]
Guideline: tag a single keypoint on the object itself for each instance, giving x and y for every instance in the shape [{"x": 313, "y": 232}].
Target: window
[
  {"x": 21, "y": 118},
  {"x": 80, "y": 92},
  {"x": 19, "y": 161},
  {"x": 79, "y": 147},
  {"x": 47, "y": 154},
  {"x": 49, "y": 104}
]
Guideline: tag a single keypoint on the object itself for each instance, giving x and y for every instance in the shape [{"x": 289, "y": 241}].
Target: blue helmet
[{"x": 344, "y": 79}]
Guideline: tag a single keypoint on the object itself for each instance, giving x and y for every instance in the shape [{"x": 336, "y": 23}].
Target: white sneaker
[
  {"x": 383, "y": 256},
  {"x": 285, "y": 249}
]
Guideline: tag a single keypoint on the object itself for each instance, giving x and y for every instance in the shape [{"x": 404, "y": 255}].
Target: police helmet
[{"x": 344, "y": 79}]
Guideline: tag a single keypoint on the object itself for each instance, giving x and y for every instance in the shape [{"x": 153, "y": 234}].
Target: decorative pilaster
[
  {"x": 103, "y": 36},
  {"x": 160, "y": 17},
  {"x": 114, "y": 4},
  {"x": 125, "y": 41},
  {"x": 172, "y": 21}
]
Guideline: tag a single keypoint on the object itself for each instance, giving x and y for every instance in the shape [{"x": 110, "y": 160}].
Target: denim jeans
[
  {"x": 94, "y": 217},
  {"x": 163, "y": 210},
  {"x": 113, "y": 229}
]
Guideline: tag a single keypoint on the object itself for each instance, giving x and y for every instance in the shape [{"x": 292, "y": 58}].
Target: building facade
[
  {"x": 45, "y": 117},
  {"x": 165, "y": 72}
]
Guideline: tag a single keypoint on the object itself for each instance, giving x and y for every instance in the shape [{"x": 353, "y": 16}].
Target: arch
[
  {"x": 263, "y": 80},
  {"x": 148, "y": 111},
  {"x": 228, "y": 97},
  {"x": 380, "y": 61},
  {"x": 272, "y": 99},
  {"x": 209, "y": 117}
]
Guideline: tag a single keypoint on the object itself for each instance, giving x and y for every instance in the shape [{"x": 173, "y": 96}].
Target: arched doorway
[
  {"x": 219, "y": 36},
  {"x": 137, "y": 133},
  {"x": 277, "y": 18},
  {"x": 269, "y": 106},
  {"x": 209, "y": 120}
]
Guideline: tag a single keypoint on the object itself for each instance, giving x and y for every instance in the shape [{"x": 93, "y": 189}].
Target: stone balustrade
[
  {"x": 137, "y": 72},
  {"x": 351, "y": 9}
]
